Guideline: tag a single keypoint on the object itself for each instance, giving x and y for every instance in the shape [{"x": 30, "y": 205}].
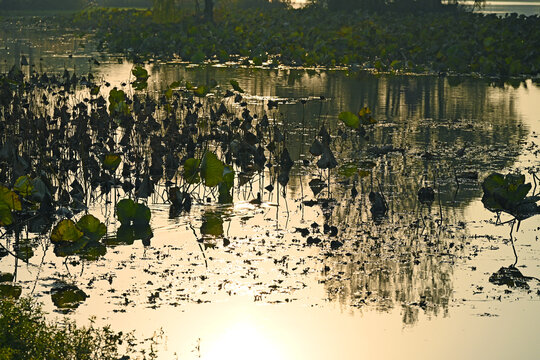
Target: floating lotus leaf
[
  {"x": 201, "y": 91},
  {"x": 24, "y": 251},
  {"x": 348, "y": 170},
  {"x": 10, "y": 291},
  {"x": 212, "y": 169},
  {"x": 94, "y": 91},
  {"x": 6, "y": 277},
  {"x": 117, "y": 102},
  {"x": 93, "y": 250},
  {"x": 127, "y": 234},
  {"x": 65, "y": 231},
  {"x": 212, "y": 224},
  {"x": 140, "y": 73},
  {"x": 91, "y": 227},
  {"x": 111, "y": 162},
  {"x": 68, "y": 297},
  {"x": 24, "y": 185}
]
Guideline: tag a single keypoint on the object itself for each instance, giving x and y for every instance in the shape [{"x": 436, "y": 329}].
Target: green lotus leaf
[
  {"x": 91, "y": 227},
  {"x": 228, "y": 176},
  {"x": 201, "y": 91},
  {"x": 65, "y": 231},
  {"x": 212, "y": 169},
  {"x": 125, "y": 211},
  {"x": 129, "y": 212},
  {"x": 349, "y": 119},
  {"x": 24, "y": 185},
  {"x": 191, "y": 171},
  {"x": 111, "y": 162},
  {"x": 10, "y": 198},
  {"x": 95, "y": 90},
  {"x": 140, "y": 73},
  {"x": 212, "y": 224},
  {"x": 6, "y": 277},
  {"x": 68, "y": 297},
  {"x": 348, "y": 170},
  {"x": 93, "y": 250},
  {"x": 6, "y": 218}
]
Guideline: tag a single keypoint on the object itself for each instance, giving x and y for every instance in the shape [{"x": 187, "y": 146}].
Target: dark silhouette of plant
[{"x": 508, "y": 194}]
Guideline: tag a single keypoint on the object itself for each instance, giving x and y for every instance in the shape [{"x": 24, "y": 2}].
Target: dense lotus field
[{"x": 453, "y": 41}]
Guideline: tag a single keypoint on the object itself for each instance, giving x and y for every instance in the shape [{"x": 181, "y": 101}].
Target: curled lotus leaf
[
  {"x": 66, "y": 231},
  {"x": 91, "y": 227},
  {"x": 6, "y": 218},
  {"x": 111, "y": 162},
  {"x": 24, "y": 185},
  {"x": 68, "y": 296},
  {"x": 10, "y": 198}
]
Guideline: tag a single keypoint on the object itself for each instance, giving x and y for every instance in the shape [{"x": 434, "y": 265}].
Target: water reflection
[{"x": 431, "y": 132}]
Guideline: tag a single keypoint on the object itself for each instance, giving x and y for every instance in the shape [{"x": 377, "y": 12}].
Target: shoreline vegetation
[
  {"x": 450, "y": 40},
  {"x": 26, "y": 334}
]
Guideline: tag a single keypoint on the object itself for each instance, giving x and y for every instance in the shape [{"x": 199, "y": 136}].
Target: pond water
[{"x": 412, "y": 284}]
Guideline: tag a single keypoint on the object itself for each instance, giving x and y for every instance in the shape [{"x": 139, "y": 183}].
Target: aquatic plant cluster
[
  {"x": 61, "y": 155},
  {"x": 439, "y": 42}
]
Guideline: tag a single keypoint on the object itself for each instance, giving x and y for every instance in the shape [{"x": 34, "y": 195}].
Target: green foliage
[
  {"x": 66, "y": 231},
  {"x": 68, "y": 297},
  {"x": 129, "y": 212},
  {"x": 117, "y": 102},
  {"x": 9, "y": 198},
  {"x": 509, "y": 194},
  {"x": 191, "y": 171},
  {"x": 457, "y": 41},
  {"x": 141, "y": 78},
  {"x": 349, "y": 119},
  {"x": 10, "y": 291},
  {"x": 212, "y": 169},
  {"x": 127, "y": 234},
  {"x": 26, "y": 335},
  {"x": 91, "y": 227},
  {"x": 24, "y": 186},
  {"x": 111, "y": 162},
  {"x": 212, "y": 224}
]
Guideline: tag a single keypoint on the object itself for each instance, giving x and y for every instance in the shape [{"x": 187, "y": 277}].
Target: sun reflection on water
[{"x": 243, "y": 338}]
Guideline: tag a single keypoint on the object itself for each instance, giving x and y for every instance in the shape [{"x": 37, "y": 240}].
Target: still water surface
[{"x": 412, "y": 285}]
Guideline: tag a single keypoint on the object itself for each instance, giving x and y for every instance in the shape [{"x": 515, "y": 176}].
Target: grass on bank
[{"x": 25, "y": 334}]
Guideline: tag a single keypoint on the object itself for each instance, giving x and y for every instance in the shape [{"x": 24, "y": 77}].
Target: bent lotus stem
[{"x": 512, "y": 241}]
